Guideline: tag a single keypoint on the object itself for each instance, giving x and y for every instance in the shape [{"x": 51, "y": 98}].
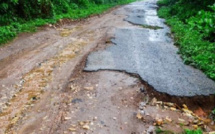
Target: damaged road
[
  {"x": 150, "y": 54},
  {"x": 49, "y": 84}
]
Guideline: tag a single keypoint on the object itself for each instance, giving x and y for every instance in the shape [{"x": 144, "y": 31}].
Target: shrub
[
  {"x": 193, "y": 25},
  {"x": 204, "y": 22}
]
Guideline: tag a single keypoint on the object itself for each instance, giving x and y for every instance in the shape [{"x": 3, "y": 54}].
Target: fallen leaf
[
  {"x": 185, "y": 106},
  {"x": 15, "y": 119},
  {"x": 81, "y": 123},
  {"x": 72, "y": 88},
  {"x": 72, "y": 129},
  {"x": 195, "y": 121},
  {"x": 181, "y": 120},
  {"x": 88, "y": 88},
  {"x": 166, "y": 107},
  {"x": 187, "y": 111},
  {"x": 168, "y": 119},
  {"x": 200, "y": 123},
  {"x": 139, "y": 116},
  {"x": 153, "y": 101},
  {"x": 169, "y": 104},
  {"x": 173, "y": 108},
  {"x": 195, "y": 126},
  {"x": 159, "y": 102},
  {"x": 87, "y": 127},
  {"x": 188, "y": 115},
  {"x": 45, "y": 117},
  {"x": 73, "y": 125},
  {"x": 159, "y": 122},
  {"x": 67, "y": 118}
]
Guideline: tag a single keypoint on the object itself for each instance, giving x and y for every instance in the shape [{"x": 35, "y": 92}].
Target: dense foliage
[
  {"x": 13, "y": 10},
  {"x": 193, "y": 25},
  {"x": 25, "y": 15}
]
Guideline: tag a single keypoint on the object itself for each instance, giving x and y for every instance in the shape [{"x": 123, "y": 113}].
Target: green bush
[
  {"x": 24, "y": 10},
  {"x": 204, "y": 22},
  {"x": 193, "y": 27},
  {"x": 166, "y": 2},
  {"x": 18, "y": 16},
  {"x": 184, "y": 9}
]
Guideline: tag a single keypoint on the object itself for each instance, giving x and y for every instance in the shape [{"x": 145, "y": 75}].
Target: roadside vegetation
[
  {"x": 186, "y": 131},
  {"x": 193, "y": 25},
  {"x": 18, "y": 16},
  {"x": 197, "y": 131}
]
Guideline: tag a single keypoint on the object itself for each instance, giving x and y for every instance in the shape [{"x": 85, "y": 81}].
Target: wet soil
[{"x": 43, "y": 89}]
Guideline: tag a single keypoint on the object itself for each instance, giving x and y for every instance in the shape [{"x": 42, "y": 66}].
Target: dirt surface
[{"x": 43, "y": 89}]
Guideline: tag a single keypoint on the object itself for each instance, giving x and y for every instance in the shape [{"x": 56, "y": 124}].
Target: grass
[
  {"x": 194, "y": 49},
  {"x": 198, "y": 131},
  {"x": 158, "y": 130},
  {"x": 9, "y": 32},
  {"x": 151, "y": 27}
]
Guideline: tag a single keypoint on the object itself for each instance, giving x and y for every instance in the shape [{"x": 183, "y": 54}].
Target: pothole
[{"x": 152, "y": 108}]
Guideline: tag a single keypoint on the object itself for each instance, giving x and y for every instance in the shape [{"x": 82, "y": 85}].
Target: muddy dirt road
[{"x": 44, "y": 90}]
